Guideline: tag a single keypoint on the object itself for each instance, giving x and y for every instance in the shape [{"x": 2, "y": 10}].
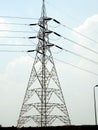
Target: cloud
[
  {"x": 88, "y": 28},
  {"x": 13, "y": 83},
  {"x": 89, "y": 24}
]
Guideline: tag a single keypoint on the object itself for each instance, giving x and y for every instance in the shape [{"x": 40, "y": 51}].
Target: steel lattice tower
[{"x": 43, "y": 103}]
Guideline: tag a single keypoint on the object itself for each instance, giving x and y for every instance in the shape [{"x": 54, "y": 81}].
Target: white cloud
[
  {"x": 13, "y": 83},
  {"x": 89, "y": 24},
  {"x": 88, "y": 28}
]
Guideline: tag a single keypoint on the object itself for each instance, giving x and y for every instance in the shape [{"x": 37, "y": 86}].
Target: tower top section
[{"x": 43, "y": 13}]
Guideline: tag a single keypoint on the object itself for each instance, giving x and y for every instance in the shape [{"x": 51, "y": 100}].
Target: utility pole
[
  {"x": 95, "y": 108},
  {"x": 43, "y": 84}
]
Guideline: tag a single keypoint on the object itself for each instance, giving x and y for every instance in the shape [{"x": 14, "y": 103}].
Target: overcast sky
[{"x": 77, "y": 85}]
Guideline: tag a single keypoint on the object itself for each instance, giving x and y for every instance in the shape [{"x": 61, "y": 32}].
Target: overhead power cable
[
  {"x": 77, "y": 67},
  {"x": 70, "y": 64},
  {"x": 73, "y": 53},
  {"x": 88, "y": 59},
  {"x": 80, "y": 45},
  {"x": 47, "y": 19},
  {"x": 65, "y": 38},
  {"x": 83, "y": 35},
  {"x": 12, "y": 51},
  {"x": 14, "y": 45},
  {"x": 16, "y": 31},
  {"x": 13, "y": 37},
  {"x": 80, "y": 34},
  {"x": 76, "y": 43},
  {"x": 20, "y": 24},
  {"x": 14, "y": 23},
  {"x": 12, "y": 17}
]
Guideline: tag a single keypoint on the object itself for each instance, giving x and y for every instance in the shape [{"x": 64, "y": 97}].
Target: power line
[
  {"x": 80, "y": 34},
  {"x": 59, "y": 36},
  {"x": 19, "y": 24},
  {"x": 66, "y": 50},
  {"x": 77, "y": 67},
  {"x": 50, "y": 25},
  {"x": 14, "y": 37},
  {"x": 14, "y": 23},
  {"x": 76, "y": 43},
  {"x": 14, "y": 45},
  {"x": 55, "y": 39},
  {"x": 60, "y": 12},
  {"x": 31, "y": 42},
  {"x": 12, "y": 17},
  {"x": 81, "y": 56},
  {"x": 61, "y": 60},
  {"x": 80, "y": 45},
  {"x": 54, "y": 26},
  {"x": 54, "y": 33},
  {"x": 73, "y": 53},
  {"x": 80, "y": 68},
  {"x": 76, "y": 31},
  {"x": 12, "y": 51},
  {"x": 16, "y": 31}
]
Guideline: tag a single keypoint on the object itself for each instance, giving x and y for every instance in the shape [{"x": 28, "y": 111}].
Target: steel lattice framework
[{"x": 43, "y": 103}]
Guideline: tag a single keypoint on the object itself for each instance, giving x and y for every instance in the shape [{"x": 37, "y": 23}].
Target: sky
[{"x": 77, "y": 85}]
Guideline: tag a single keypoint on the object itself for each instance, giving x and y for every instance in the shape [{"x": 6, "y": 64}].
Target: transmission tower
[{"x": 43, "y": 102}]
